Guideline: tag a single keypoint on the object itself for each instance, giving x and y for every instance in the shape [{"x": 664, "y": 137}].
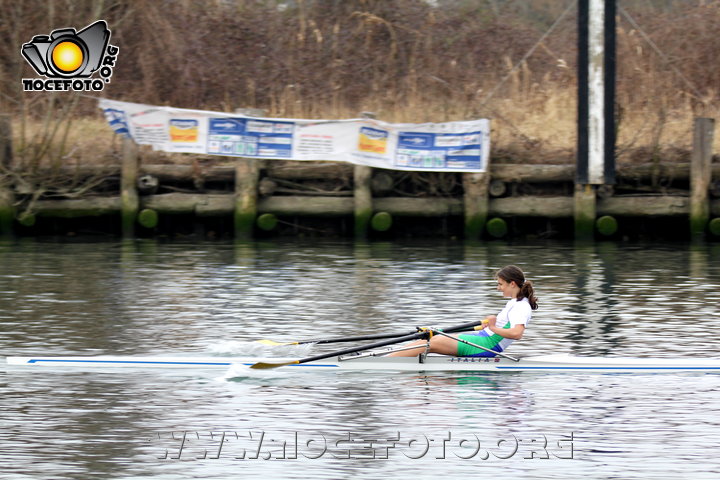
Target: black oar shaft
[
  {"x": 463, "y": 327},
  {"x": 377, "y": 336}
]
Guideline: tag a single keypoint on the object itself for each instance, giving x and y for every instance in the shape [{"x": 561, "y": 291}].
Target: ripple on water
[{"x": 217, "y": 299}]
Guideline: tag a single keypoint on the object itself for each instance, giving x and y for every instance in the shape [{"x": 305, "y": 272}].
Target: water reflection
[
  {"x": 93, "y": 298},
  {"x": 596, "y": 331},
  {"x": 152, "y": 297}
]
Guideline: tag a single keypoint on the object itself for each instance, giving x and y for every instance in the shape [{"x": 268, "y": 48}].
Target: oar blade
[{"x": 266, "y": 365}]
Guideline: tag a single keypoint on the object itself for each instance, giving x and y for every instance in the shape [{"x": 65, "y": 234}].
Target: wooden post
[
  {"x": 362, "y": 179},
  {"x": 7, "y": 197},
  {"x": 700, "y": 176},
  {"x": 129, "y": 199},
  {"x": 476, "y": 202},
  {"x": 247, "y": 176},
  {"x": 585, "y": 211},
  {"x": 363, "y": 200}
]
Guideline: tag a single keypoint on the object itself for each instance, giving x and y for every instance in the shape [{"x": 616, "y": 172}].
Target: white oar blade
[{"x": 274, "y": 344}]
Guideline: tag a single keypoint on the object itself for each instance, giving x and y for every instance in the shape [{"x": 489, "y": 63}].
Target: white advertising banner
[{"x": 437, "y": 147}]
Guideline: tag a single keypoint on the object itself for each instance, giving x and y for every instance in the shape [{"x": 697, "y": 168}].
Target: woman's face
[{"x": 509, "y": 290}]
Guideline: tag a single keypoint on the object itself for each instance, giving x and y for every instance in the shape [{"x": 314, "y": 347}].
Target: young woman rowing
[{"x": 501, "y": 330}]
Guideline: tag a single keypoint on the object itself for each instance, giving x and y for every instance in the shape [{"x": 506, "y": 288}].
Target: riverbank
[
  {"x": 132, "y": 191},
  {"x": 320, "y": 199}
]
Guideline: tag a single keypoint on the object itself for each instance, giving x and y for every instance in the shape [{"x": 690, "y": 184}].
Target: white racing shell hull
[{"x": 543, "y": 363}]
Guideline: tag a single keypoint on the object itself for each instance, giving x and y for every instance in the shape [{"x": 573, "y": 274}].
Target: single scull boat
[{"x": 429, "y": 363}]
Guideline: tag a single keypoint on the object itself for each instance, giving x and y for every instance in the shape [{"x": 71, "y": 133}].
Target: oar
[
  {"x": 400, "y": 339},
  {"x": 376, "y": 336}
]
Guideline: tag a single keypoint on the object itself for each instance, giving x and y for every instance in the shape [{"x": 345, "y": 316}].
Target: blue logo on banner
[
  {"x": 118, "y": 122},
  {"x": 227, "y": 125},
  {"x": 415, "y": 140}
]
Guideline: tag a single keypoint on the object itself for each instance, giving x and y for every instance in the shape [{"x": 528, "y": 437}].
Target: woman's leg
[{"x": 438, "y": 344}]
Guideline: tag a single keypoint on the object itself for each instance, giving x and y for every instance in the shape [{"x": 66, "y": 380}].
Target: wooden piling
[
  {"x": 267, "y": 222},
  {"x": 476, "y": 203},
  {"x": 497, "y": 188},
  {"x": 714, "y": 227},
  {"x": 606, "y": 225},
  {"x": 7, "y": 211},
  {"x": 363, "y": 200},
  {"x": 497, "y": 227},
  {"x": 362, "y": 193},
  {"x": 672, "y": 172},
  {"x": 247, "y": 176},
  {"x": 700, "y": 176},
  {"x": 7, "y": 196},
  {"x": 381, "y": 183},
  {"x": 218, "y": 205},
  {"x": 585, "y": 210},
  {"x": 129, "y": 199},
  {"x": 381, "y": 222},
  {"x": 148, "y": 218}
]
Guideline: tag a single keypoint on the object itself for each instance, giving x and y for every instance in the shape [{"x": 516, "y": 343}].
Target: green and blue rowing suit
[{"x": 516, "y": 312}]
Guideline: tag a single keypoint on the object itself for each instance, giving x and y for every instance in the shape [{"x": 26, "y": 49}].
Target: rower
[{"x": 500, "y": 331}]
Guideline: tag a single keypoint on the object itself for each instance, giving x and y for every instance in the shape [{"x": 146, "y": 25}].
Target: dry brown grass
[
  {"x": 546, "y": 135},
  {"x": 403, "y": 59}
]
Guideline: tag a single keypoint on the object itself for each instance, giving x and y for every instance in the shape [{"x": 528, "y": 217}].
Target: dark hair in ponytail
[{"x": 511, "y": 273}]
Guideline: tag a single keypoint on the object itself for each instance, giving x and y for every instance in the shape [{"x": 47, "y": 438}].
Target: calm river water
[{"x": 148, "y": 297}]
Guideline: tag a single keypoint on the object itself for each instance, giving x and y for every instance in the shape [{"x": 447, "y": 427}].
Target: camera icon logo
[{"x": 67, "y": 54}]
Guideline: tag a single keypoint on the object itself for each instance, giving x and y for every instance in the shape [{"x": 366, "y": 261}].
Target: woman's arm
[{"x": 514, "y": 333}]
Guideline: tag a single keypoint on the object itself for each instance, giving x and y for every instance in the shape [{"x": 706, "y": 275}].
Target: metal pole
[{"x": 596, "y": 92}]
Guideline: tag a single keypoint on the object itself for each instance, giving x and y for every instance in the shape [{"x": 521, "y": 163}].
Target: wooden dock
[{"x": 266, "y": 198}]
